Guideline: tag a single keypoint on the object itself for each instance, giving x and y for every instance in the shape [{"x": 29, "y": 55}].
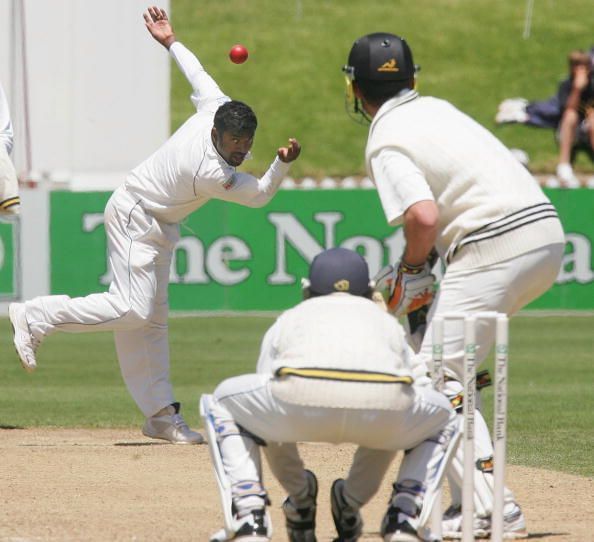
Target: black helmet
[
  {"x": 380, "y": 57},
  {"x": 378, "y": 62},
  {"x": 339, "y": 270}
]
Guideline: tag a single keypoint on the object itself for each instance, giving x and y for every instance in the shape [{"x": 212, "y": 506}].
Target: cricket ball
[{"x": 238, "y": 54}]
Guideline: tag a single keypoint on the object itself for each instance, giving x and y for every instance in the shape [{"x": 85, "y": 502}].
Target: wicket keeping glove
[{"x": 409, "y": 288}]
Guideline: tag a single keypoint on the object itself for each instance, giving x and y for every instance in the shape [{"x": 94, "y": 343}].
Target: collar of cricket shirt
[{"x": 405, "y": 96}]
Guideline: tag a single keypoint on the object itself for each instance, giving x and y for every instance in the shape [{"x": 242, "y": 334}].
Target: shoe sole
[
  {"x": 28, "y": 367},
  {"x": 187, "y": 443}
]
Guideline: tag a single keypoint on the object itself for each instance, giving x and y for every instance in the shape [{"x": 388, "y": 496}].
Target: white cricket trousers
[
  {"x": 418, "y": 420},
  {"x": 136, "y": 306},
  {"x": 503, "y": 287}
]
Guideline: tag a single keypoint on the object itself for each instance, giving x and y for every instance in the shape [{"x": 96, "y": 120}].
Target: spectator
[
  {"x": 576, "y": 126},
  {"x": 569, "y": 112}
]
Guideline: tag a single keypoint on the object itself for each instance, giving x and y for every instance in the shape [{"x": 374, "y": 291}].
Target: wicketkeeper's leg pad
[
  {"x": 422, "y": 472},
  {"x": 236, "y": 460}
]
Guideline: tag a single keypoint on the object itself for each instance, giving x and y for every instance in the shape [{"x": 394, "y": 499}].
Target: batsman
[{"x": 454, "y": 187}]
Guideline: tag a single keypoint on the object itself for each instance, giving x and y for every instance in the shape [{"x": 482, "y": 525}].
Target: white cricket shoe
[
  {"x": 567, "y": 177},
  {"x": 168, "y": 424},
  {"x": 253, "y": 527},
  {"x": 514, "y": 524},
  {"x": 25, "y": 342}
]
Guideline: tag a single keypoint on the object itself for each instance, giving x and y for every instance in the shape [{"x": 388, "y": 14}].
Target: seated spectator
[
  {"x": 570, "y": 112},
  {"x": 576, "y": 127}
]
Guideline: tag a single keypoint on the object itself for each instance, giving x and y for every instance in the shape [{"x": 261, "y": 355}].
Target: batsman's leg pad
[{"x": 483, "y": 478}]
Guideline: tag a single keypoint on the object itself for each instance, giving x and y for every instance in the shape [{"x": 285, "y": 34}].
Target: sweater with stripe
[{"x": 490, "y": 207}]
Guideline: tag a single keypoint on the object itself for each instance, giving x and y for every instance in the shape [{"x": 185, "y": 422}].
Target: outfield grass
[
  {"x": 78, "y": 383},
  {"x": 472, "y": 52}
]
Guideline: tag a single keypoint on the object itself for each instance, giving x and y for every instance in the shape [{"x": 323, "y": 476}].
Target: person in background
[{"x": 576, "y": 127}]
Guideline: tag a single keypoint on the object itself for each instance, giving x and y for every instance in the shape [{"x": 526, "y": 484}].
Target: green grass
[
  {"x": 78, "y": 384},
  {"x": 551, "y": 404},
  {"x": 472, "y": 52}
]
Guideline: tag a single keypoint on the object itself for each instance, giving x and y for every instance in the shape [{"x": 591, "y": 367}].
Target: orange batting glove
[{"x": 411, "y": 288}]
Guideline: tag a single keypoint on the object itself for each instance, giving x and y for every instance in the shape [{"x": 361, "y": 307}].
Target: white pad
[
  {"x": 217, "y": 461},
  {"x": 483, "y": 481},
  {"x": 426, "y": 464},
  {"x": 232, "y": 524}
]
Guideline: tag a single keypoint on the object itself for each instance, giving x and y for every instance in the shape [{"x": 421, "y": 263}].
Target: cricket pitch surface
[{"x": 116, "y": 485}]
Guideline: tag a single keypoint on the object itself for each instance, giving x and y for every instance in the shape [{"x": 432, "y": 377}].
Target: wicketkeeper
[
  {"x": 453, "y": 186},
  {"x": 335, "y": 368}
]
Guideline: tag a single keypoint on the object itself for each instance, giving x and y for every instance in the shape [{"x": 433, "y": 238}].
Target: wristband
[{"x": 411, "y": 269}]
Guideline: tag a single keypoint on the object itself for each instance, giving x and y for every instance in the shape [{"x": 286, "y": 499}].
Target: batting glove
[{"x": 410, "y": 288}]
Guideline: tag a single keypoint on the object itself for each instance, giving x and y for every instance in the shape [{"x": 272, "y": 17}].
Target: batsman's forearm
[
  {"x": 420, "y": 231},
  {"x": 419, "y": 245}
]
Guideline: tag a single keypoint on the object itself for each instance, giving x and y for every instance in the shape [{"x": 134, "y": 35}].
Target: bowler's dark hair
[
  {"x": 235, "y": 117},
  {"x": 377, "y": 92}
]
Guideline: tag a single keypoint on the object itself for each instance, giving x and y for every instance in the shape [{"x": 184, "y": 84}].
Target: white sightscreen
[{"x": 87, "y": 85}]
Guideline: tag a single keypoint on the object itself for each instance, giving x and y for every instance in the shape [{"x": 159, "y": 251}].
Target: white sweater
[
  {"x": 337, "y": 331},
  {"x": 490, "y": 207}
]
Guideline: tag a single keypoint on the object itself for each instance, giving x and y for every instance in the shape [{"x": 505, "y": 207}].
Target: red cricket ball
[{"x": 238, "y": 54}]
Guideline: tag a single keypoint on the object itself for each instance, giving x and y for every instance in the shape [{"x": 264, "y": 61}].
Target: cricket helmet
[
  {"x": 379, "y": 58},
  {"x": 338, "y": 270}
]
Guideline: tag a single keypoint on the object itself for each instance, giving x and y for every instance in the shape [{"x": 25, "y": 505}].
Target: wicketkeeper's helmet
[
  {"x": 377, "y": 58},
  {"x": 338, "y": 270}
]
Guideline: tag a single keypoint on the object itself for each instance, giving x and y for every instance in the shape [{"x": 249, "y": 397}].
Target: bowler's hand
[
  {"x": 290, "y": 153},
  {"x": 158, "y": 25}
]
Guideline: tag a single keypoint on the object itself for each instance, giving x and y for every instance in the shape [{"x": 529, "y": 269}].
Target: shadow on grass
[{"x": 3, "y": 426}]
